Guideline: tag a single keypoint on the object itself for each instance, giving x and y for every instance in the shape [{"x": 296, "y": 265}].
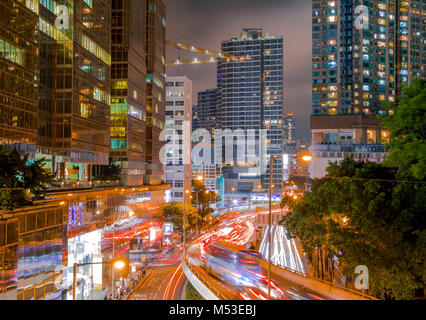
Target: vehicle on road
[{"x": 234, "y": 264}]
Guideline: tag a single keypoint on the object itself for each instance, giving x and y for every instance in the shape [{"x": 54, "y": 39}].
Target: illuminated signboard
[
  {"x": 167, "y": 196},
  {"x": 75, "y": 216},
  {"x": 265, "y": 197},
  {"x": 168, "y": 229}
]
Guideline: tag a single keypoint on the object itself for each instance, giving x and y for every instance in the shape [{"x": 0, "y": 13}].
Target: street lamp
[
  {"x": 199, "y": 178},
  {"x": 184, "y": 221},
  {"x": 118, "y": 265},
  {"x": 271, "y": 169},
  {"x": 307, "y": 158}
]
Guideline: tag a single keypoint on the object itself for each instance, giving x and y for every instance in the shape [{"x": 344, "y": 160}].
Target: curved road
[{"x": 168, "y": 281}]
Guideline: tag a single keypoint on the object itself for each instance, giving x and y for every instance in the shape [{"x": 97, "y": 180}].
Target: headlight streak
[{"x": 284, "y": 251}]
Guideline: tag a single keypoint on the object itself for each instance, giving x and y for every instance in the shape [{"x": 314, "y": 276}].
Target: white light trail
[{"x": 284, "y": 251}]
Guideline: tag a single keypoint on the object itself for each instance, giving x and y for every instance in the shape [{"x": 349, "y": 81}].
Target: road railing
[
  {"x": 276, "y": 269},
  {"x": 213, "y": 290}
]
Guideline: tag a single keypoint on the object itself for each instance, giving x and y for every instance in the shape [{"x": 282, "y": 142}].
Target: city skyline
[
  {"x": 225, "y": 19},
  {"x": 212, "y": 150}
]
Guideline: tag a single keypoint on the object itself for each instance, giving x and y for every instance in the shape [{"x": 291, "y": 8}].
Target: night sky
[{"x": 205, "y": 23}]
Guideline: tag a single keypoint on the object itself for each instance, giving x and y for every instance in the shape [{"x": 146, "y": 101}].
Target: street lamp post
[
  {"x": 270, "y": 224},
  {"x": 184, "y": 221},
  {"x": 113, "y": 253},
  {"x": 199, "y": 178}
]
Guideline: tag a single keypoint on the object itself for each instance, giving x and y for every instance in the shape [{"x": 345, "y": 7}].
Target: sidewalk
[{"x": 140, "y": 284}]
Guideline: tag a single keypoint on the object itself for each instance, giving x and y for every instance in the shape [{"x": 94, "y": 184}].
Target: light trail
[
  {"x": 284, "y": 251},
  {"x": 166, "y": 293}
]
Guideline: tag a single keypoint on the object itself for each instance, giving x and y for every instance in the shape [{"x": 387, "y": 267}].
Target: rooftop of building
[{"x": 254, "y": 33}]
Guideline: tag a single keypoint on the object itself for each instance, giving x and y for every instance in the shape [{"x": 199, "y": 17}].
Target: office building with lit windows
[
  {"x": 289, "y": 133},
  {"x": 75, "y": 86},
  {"x": 128, "y": 89},
  {"x": 18, "y": 75},
  {"x": 361, "y": 52},
  {"x": 207, "y": 108},
  {"x": 251, "y": 98},
  {"x": 155, "y": 90},
  {"x": 179, "y": 115}
]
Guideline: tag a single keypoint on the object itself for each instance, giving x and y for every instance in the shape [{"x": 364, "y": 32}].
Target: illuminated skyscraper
[
  {"x": 75, "y": 77},
  {"x": 361, "y": 52},
  {"x": 357, "y": 57},
  {"x": 18, "y": 75},
  {"x": 155, "y": 96},
  {"x": 251, "y": 97},
  {"x": 207, "y": 109},
  {"x": 128, "y": 95},
  {"x": 289, "y": 133}
]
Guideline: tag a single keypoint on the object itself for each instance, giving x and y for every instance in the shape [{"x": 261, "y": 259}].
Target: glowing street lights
[
  {"x": 199, "y": 178},
  {"x": 307, "y": 158},
  {"x": 184, "y": 220},
  {"x": 271, "y": 168}
]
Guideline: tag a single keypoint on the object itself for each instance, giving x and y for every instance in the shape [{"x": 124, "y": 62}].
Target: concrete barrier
[
  {"x": 197, "y": 284},
  {"x": 325, "y": 288}
]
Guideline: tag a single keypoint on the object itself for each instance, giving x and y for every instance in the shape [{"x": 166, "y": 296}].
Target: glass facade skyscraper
[
  {"x": 128, "y": 95},
  {"x": 19, "y": 61},
  {"x": 75, "y": 85},
  {"x": 251, "y": 93},
  {"x": 155, "y": 94}
]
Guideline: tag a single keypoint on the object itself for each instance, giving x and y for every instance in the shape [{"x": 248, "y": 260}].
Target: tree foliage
[
  {"x": 360, "y": 213},
  {"x": 174, "y": 214},
  {"x": 205, "y": 199},
  {"x": 16, "y": 172},
  {"x": 407, "y": 123}
]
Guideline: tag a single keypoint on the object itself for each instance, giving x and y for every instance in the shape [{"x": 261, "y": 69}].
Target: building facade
[
  {"x": 75, "y": 85},
  {"x": 290, "y": 140},
  {"x": 19, "y": 60},
  {"x": 178, "y": 128},
  {"x": 207, "y": 108},
  {"x": 251, "y": 98},
  {"x": 155, "y": 86},
  {"x": 128, "y": 92},
  {"x": 361, "y": 52}
]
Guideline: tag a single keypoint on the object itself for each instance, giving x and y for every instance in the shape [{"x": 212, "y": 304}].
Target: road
[
  {"x": 164, "y": 283},
  {"x": 240, "y": 230},
  {"x": 167, "y": 280}
]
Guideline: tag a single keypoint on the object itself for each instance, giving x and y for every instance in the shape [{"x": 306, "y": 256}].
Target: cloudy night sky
[{"x": 206, "y": 23}]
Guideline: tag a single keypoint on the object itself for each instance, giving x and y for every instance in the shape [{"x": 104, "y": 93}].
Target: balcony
[{"x": 84, "y": 185}]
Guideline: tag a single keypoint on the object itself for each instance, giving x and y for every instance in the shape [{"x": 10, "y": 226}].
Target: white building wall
[{"x": 179, "y": 112}]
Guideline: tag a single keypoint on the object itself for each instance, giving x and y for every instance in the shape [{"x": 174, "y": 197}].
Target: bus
[{"x": 235, "y": 264}]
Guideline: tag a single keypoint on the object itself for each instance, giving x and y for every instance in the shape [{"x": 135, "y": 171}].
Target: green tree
[
  {"x": 406, "y": 121},
  {"x": 18, "y": 174},
  {"x": 363, "y": 215},
  {"x": 36, "y": 179},
  {"x": 174, "y": 214},
  {"x": 287, "y": 201},
  {"x": 206, "y": 199}
]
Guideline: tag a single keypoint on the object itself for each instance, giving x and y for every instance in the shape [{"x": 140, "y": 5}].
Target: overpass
[{"x": 294, "y": 281}]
